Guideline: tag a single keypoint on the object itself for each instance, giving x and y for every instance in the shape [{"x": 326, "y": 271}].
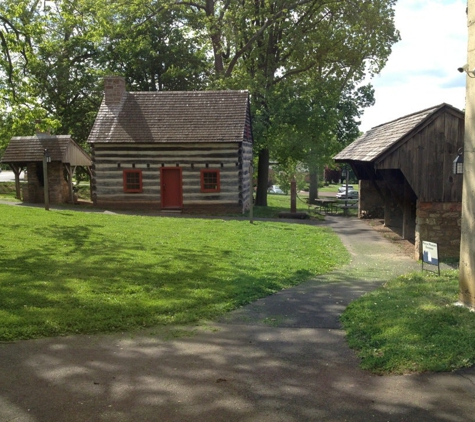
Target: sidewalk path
[{"x": 282, "y": 358}]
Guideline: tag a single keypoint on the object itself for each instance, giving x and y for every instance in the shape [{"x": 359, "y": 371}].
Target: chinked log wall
[{"x": 231, "y": 159}]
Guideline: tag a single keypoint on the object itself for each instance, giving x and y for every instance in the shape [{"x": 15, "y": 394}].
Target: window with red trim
[
  {"x": 210, "y": 180},
  {"x": 132, "y": 181}
]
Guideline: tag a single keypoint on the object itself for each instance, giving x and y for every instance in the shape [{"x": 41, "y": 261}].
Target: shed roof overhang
[
  {"x": 364, "y": 170},
  {"x": 27, "y": 149}
]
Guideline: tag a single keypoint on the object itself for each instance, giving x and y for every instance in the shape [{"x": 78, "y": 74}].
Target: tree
[
  {"x": 55, "y": 54},
  {"x": 54, "y": 57},
  {"x": 260, "y": 44},
  {"x": 53, "y": 75},
  {"x": 153, "y": 51}
]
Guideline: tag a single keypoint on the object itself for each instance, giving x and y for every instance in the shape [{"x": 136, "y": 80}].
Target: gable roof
[
  {"x": 380, "y": 139},
  {"x": 173, "y": 116},
  {"x": 24, "y": 149}
]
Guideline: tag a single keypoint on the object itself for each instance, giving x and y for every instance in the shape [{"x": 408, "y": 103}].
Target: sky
[{"x": 421, "y": 71}]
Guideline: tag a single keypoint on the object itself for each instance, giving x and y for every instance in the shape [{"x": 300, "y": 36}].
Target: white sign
[{"x": 430, "y": 253}]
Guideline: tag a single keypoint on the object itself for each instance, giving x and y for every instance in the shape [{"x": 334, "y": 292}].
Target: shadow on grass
[{"x": 112, "y": 283}]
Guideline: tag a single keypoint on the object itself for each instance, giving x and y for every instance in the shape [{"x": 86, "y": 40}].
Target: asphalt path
[{"x": 280, "y": 359}]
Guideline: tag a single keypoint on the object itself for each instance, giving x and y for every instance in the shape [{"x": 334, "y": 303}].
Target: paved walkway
[{"x": 282, "y": 358}]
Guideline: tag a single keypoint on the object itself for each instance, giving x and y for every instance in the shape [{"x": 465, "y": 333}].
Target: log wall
[{"x": 231, "y": 159}]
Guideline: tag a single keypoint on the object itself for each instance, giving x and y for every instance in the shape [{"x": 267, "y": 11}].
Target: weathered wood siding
[
  {"x": 231, "y": 159},
  {"x": 426, "y": 159}
]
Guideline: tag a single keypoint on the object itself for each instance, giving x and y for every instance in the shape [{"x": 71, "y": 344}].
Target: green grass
[
  {"x": 412, "y": 325},
  {"x": 65, "y": 272},
  {"x": 281, "y": 203},
  {"x": 331, "y": 188},
  {"x": 7, "y": 191}
]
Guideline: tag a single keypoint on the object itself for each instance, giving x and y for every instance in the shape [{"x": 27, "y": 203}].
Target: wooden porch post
[
  {"x": 387, "y": 214},
  {"x": 406, "y": 213}
]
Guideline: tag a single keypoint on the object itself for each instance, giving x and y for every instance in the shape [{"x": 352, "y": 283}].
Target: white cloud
[{"x": 422, "y": 69}]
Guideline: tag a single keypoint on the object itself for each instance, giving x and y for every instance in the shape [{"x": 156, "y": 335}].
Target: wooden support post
[
  {"x": 407, "y": 213},
  {"x": 387, "y": 215},
  {"x": 45, "y": 178},
  {"x": 406, "y": 221}
]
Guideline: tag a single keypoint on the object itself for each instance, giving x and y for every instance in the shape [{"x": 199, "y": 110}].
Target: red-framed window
[
  {"x": 132, "y": 181},
  {"x": 210, "y": 180}
]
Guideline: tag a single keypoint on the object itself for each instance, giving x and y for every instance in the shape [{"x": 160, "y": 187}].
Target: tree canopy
[{"x": 304, "y": 62}]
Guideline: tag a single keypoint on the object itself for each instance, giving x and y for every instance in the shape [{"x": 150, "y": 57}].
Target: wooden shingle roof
[
  {"x": 25, "y": 149},
  {"x": 173, "y": 116},
  {"x": 379, "y": 139}
]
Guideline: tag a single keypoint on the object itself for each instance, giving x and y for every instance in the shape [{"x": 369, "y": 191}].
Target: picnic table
[
  {"x": 325, "y": 205},
  {"x": 346, "y": 205}
]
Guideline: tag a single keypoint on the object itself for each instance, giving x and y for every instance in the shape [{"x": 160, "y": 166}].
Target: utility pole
[{"x": 467, "y": 241}]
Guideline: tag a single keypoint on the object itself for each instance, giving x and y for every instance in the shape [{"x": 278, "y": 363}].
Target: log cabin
[
  {"x": 405, "y": 172},
  {"x": 172, "y": 151}
]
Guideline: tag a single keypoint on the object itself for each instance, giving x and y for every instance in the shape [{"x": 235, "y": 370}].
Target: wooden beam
[{"x": 407, "y": 224}]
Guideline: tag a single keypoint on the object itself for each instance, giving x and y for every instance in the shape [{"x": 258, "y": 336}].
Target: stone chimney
[{"x": 114, "y": 89}]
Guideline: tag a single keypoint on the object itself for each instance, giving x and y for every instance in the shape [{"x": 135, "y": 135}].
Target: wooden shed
[
  {"x": 405, "y": 169},
  {"x": 168, "y": 150},
  {"x": 27, "y": 153}
]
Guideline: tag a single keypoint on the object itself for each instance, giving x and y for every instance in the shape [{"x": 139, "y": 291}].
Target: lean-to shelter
[{"x": 405, "y": 172}]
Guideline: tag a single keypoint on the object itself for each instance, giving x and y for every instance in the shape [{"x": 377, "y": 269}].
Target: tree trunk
[
  {"x": 262, "y": 178},
  {"x": 313, "y": 188}
]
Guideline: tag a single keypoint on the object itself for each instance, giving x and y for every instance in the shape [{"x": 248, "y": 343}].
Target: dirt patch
[{"x": 405, "y": 246}]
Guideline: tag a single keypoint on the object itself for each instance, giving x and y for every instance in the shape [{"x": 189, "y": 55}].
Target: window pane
[
  {"x": 210, "y": 180},
  {"x": 132, "y": 181}
]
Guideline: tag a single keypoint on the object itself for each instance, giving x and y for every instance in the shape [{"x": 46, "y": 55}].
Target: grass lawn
[
  {"x": 279, "y": 203},
  {"x": 412, "y": 325},
  {"x": 331, "y": 188},
  {"x": 65, "y": 272},
  {"x": 7, "y": 191}
]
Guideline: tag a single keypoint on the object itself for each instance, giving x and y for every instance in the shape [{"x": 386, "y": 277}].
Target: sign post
[{"x": 46, "y": 160}]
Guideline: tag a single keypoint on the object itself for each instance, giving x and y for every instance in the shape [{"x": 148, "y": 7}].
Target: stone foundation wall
[{"x": 439, "y": 222}]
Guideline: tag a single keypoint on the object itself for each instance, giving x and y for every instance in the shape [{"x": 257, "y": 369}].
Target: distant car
[
  {"x": 275, "y": 189},
  {"x": 343, "y": 188},
  {"x": 352, "y": 194}
]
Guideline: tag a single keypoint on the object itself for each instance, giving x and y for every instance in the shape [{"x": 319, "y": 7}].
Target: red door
[{"x": 171, "y": 187}]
